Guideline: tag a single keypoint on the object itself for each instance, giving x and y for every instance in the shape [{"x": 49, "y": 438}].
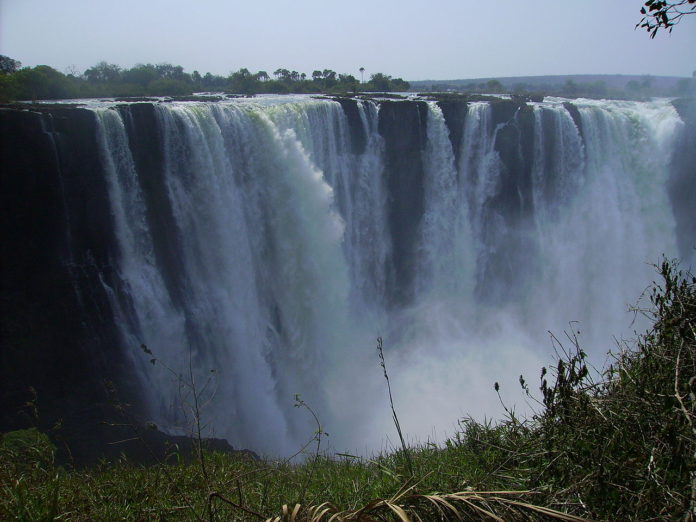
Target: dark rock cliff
[
  {"x": 454, "y": 112},
  {"x": 63, "y": 366},
  {"x": 402, "y": 124},
  {"x": 58, "y": 333},
  {"x": 403, "y": 127},
  {"x": 510, "y": 246},
  {"x": 145, "y": 143},
  {"x": 357, "y": 132}
]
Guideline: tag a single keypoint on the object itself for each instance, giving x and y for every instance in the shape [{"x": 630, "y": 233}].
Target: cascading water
[{"x": 265, "y": 254}]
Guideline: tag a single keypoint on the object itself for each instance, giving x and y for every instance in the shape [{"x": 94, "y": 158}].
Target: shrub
[
  {"x": 623, "y": 447},
  {"x": 27, "y": 450}
]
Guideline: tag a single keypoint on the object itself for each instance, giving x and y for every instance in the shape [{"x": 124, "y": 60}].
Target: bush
[
  {"x": 621, "y": 447},
  {"x": 30, "y": 483},
  {"x": 27, "y": 450}
]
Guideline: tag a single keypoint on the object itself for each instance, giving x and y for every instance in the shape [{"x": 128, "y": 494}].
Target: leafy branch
[{"x": 661, "y": 14}]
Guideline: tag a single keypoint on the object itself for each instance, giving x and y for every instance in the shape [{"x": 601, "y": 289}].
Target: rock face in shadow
[
  {"x": 63, "y": 366},
  {"x": 60, "y": 341},
  {"x": 358, "y": 137},
  {"x": 145, "y": 143},
  {"x": 682, "y": 189},
  {"x": 454, "y": 112},
  {"x": 577, "y": 119},
  {"x": 402, "y": 124},
  {"x": 403, "y": 127},
  {"x": 118, "y": 437},
  {"x": 510, "y": 246}
]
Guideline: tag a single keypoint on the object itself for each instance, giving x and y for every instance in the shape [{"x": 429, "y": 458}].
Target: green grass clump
[
  {"x": 239, "y": 486},
  {"x": 615, "y": 445}
]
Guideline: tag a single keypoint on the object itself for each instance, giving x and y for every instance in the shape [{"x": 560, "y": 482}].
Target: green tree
[
  {"x": 347, "y": 78},
  {"x": 211, "y": 81},
  {"x": 384, "y": 82},
  {"x": 329, "y": 78},
  {"x": 380, "y": 82},
  {"x": 399, "y": 85},
  {"x": 494, "y": 86},
  {"x": 103, "y": 72},
  {"x": 141, "y": 74},
  {"x": 41, "y": 83},
  {"x": 8, "y": 88},
  {"x": 171, "y": 72},
  {"x": 243, "y": 82},
  {"x": 8, "y": 65},
  {"x": 282, "y": 75},
  {"x": 196, "y": 78}
]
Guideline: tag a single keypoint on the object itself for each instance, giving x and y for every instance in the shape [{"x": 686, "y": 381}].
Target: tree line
[{"x": 164, "y": 79}]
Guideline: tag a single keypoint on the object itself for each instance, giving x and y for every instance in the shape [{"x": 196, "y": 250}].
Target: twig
[
  {"x": 677, "y": 395},
  {"x": 380, "y": 351},
  {"x": 317, "y": 436},
  {"x": 197, "y": 418}
]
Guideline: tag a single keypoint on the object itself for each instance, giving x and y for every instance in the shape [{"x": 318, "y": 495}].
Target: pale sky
[{"x": 412, "y": 39}]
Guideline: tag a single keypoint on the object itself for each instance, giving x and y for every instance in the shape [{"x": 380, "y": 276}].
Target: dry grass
[{"x": 408, "y": 507}]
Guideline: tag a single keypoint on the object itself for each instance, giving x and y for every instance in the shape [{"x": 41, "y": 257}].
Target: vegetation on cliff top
[
  {"x": 617, "y": 445},
  {"x": 109, "y": 80}
]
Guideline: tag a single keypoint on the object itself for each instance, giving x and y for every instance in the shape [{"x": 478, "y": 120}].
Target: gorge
[{"x": 259, "y": 247}]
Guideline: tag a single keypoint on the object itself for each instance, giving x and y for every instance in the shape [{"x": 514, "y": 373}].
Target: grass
[
  {"x": 619, "y": 446},
  {"x": 123, "y": 490}
]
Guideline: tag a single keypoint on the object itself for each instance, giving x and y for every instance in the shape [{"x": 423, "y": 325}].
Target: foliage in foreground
[
  {"x": 620, "y": 446},
  {"x": 663, "y": 14}
]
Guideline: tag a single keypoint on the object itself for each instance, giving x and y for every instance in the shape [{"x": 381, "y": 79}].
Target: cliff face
[
  {"x": 512, "y": 125},
  {"x": 682, "y": 188},
  {"x": 145, "y": 143},
  {"x": 357, "y": 132},
  {"x": 60, "y": 253},
  {"x": 403, "y": 128},
  {"x": 58, "y": 331},
  {"x": 511, "y": 248}
]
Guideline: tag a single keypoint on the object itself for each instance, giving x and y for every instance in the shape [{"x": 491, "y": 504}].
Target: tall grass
[{"x": 616, "y": 446}]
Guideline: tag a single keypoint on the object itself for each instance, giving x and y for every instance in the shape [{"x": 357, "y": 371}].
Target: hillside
[{"x": 604, "y": 84}]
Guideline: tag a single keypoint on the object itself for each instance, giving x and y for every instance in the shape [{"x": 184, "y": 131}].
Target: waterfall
[
  {"x": 259, "y": 260},
  {"x": 605, "y": 214}
]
